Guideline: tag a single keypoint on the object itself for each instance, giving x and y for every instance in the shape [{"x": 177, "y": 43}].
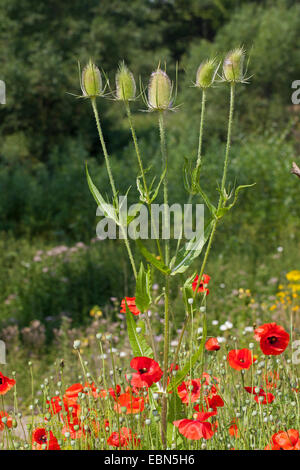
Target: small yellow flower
[
  {"x": 293, "y": 275},
  {"x": 96, "y": 312},
  {"x": 294, "y": 287}
]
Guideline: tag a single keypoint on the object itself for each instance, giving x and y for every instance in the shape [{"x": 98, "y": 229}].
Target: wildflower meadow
[{"x": 156, "y": 332}]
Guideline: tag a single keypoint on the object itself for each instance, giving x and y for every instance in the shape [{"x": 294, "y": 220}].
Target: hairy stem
[
  {"x": 138, "y": 154},
  {"x": 199, "y": 154},
  {"x": 164, "y": 410},
  {"x": 112, "y": 183},
  {"x": 220, "y": 203}
]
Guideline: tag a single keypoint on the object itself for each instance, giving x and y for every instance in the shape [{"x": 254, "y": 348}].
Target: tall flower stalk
[
  {"x": 111, "y": 179},
  {"x": 91, "y": 85},
  {"x": 160, "y": 99},
  {"x": 167, "y": 282}
]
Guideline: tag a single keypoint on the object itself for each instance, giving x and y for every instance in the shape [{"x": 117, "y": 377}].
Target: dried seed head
[
  {"x": 233, "y": 65},
  {"x": 159, "y": 91},
  {"x": 91, "y": 81},
  {"x": 206, "y": 73},
  {"x": 125, "y": 84}
]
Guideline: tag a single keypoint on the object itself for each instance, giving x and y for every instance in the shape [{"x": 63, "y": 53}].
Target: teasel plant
[{"x": 160, "y": 97}]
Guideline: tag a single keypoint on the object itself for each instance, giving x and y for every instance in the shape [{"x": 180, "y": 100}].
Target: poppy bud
[
  {"x": 159, "y": 91},
  {"x": 233, "y": 65},
  {"x": 91, "y": 81},
  {"x": 125, "y": 84},
  {"x": 206, "y": 73}
]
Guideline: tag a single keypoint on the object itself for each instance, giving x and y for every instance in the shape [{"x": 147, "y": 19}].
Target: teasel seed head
[
  {"x": 159, "y": 91},
  {"x": 233, "y": 66},
  {"x": 206, "y": 73},
  {"x": 125, "y": 84},
  {"x": 91, "y": 81}
]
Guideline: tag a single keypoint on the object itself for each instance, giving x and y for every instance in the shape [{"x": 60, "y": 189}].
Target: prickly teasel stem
[{"x": 111, "y": 179}]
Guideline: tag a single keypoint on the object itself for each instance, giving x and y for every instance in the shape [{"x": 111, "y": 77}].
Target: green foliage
[
  {"x": 137, "y": 340},
  {"x": 47, "y": 135},
  {"x": 191, "y": 362},
  {"x": 143, "y": 289},
  {"x": 269, "y": 31},
  {"x": 40, "y": 282}
]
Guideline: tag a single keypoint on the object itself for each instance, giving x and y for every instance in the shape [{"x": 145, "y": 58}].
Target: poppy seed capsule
[
  {"x": 206, "y": 73},
  {"x": 91, "y": 81},
  {"x": 159, "y": 91},
  {"x": 233, "y": 65},
  {"x": 125, "y": 84}
]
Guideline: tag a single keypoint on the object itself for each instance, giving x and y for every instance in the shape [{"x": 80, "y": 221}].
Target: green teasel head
[
  {"x": 91, "y": 81},
  {"x": 233, "y": 66},
  {"x": 125, "y": 84},
  {"x": 159, "y": 91},
  {"x": 206, "y": 73}
]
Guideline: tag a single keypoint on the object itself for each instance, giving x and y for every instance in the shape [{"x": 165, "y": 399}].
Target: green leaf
[
  {"x": 143, "y": 196},
  {"x": 191, "y": 251},
  {"x": 238, "y": 189},
  {"x": 173, "y": 437},
  {"x": 175, "y": 408},
  {"x": 210, "y": 206},
  {"x": 138, "y": 343},
  {"x": 143, "y": 289},
  {"x": 190, "y": 362},
  {"x": 107, "y": 209},
  {"x": 155, "y": 192},
  {"x": 157, "y": 263},
  {"x": 222, "y": 211}
]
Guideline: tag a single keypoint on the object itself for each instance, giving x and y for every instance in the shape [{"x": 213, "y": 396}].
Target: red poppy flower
[
  {"x": 71, "y": 394},
  {"x": 259, "y": 393},
  {"x": 211, "y": 383},
  {"x": 287, "y": 440},
  {"x": 212, "y": 344},
  {"x": 148, "y": 372},
  {"x": 233, "y": 429},
  {"x": 102, "y": 393},
  {"x": 122, "y": 438},
  {"x": 272, "y": 447},
  {"x": 74, "y": 434},
  {"x": 41, "y": 437},
  {"x": 91, "y": 388},
  {"x": 202, "y": 286},
  {"x": 131, "y": 305},
  {"x": 273, "y": 339},
  {"x": 214, "y": 402},
  {"x": 133, "y": 404},
  {"x": 5, "y": 384},
  {"x": 189, "y": 392},
  {"x": 240, "y": 359},
  {"x": 55, "y": 405},
  {"x": 197, "y": 428},
  {"x": 8, "y": 423},
  {"x": 115, "y": 392}
]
